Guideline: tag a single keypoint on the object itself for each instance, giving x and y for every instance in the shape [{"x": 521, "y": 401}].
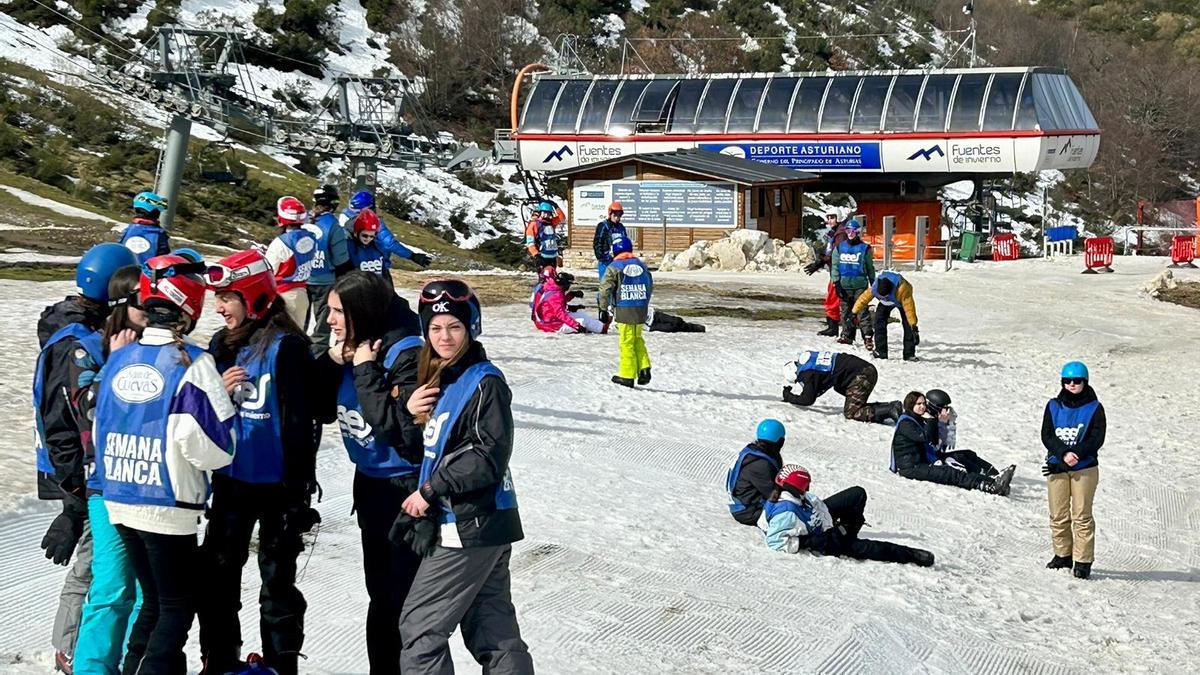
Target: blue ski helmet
[
  {"x": 852, "y": 226},
  {"x": 622, "y": 245},
  {"x": 771, "y": 431},
  {"x": 362, "y": 200},
  {"x": 545, "y": 207},
  {"x": 1075, "y": 370},
  {"x": 189, "y": 253},
  {"x": 98, "y": 265},
  {"x": 149, "y": 203}
]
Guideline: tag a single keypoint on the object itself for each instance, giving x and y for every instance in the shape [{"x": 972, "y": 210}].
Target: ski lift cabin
[{"x": 890, "y": 138}]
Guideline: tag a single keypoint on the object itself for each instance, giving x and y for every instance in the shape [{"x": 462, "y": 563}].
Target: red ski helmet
[
  {"x": 793, "y": 476},
  {"x": 248, "y": 274},
  {"x": 366, "y": 221},
  {"x": 173, "y": 281},
  {"x": 290, "y": 211}
]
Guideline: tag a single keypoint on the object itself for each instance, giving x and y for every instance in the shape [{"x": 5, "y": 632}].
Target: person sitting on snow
[
  {"x": 552, "y": 314},
  {"x": 848, "y": 375},
  {"x": 920, "y": 449},
  {"x": 794, "y": 519},
  {"x": 893, "y": 292},
  {"x": 751, "y": 480}
]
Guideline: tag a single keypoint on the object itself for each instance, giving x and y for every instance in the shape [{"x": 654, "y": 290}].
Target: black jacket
[
  {"x": 476, "y": 460},
  {"x": 909, "y": 441},
  {"x": 292, "y": 365},
  {"x": 816, "y": 383},
  {"x": 1086, "y": 448},
  {"x": 756, "y": 482},
  {"x": 59, "y": 386}
]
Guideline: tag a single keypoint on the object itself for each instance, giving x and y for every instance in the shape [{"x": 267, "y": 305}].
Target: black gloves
[
  {"x": 605, "y": 316},
  {"x": 812, "y": 267},
  {"x": 420, "y": 534},
  {"x": 574, "y": 295},
  {"x": 1046, "y": 470},
  {"x": 916, "y": 337},
  {"x": 574, "y": 308},
  {"x": 421, "y": 259},
  {"x": 64, "y": 532}
]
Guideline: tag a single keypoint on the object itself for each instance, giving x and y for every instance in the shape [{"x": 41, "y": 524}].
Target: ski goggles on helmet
[
  {"x": 446, "y": 289},
  {"x": 220, "y": 276},
  {"x": 132, "y": 299},
  {"x": 176, "y": 269}
]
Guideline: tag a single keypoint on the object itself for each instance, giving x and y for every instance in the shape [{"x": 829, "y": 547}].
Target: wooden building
[{"x": 672, "y": 199}]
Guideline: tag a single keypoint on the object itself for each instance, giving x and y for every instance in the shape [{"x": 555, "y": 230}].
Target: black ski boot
[
  {"x": 869, "y": 343},
  {"x": 1083, "y": 570},
  {"x": 922, "y": 558},
  {"x": 882, "y": 413},
  {"x": 998, "y": 485},
  {"x": 644, "y": 377},
  {"x": 1060, "y": 562},
  {"x": 623, "y": 381},
  {"x": 831, "y": 328}
]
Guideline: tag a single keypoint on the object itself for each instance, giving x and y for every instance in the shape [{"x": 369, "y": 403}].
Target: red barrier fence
[
  {"x": 1183, "y": 250},
  {"x": 1098, "y": 255},
  {"x": 1004, "y": 247}
]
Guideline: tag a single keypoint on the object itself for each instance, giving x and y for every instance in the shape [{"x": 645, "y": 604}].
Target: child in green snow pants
[{"x": 634, "y": 358}]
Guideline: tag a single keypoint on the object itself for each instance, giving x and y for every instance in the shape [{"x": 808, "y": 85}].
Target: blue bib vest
[
  {"x": 735, "y": 471},
  {"x": 370, "y": 455},
  {"x": 1071, "y": 425},
  {"x": 450, "y": 406},
  {"x": 90, "y": 341},
  {"x": 259, "y": 457},
  {"x": 803, "y": 512},
  {"x": 930, "y": 450},
  {"x": 636, "y": 285},
  {"x": 146, "y": 241},
  {"x": 367, "y": 258},
  {"x": 890, "y": 298},
  {"x": 303, "y": 246},
  {"x": 822, "y": 362},
  {"x": 852, "y": 259},
  {"x": 547, "y": 240},
  {"x": 322, "y": 259},
  {"x": 132, "y": 409}
]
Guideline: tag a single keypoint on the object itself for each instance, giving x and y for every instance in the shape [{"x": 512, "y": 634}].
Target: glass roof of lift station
[{"x": 903, "y": 101}]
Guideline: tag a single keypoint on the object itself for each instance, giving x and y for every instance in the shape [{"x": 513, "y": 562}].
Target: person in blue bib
[
  {"x": 364, "y": 377},
  {"x": 112, "y": 597},
  {"x": 464, "y": 407},
  {"x": 852, "y": 270},
  {"x": 163, "y": 421},
  {"x": 330, "y": 261},
  {"x": 626, "y": 288},
  {"x": 1073, "y": 431},
  {"x": 291, "y": 255},
  {"x": 144, "y": 236},
  {"x": 363, "y": 201},
  {"x": 818, "y": 372},
  {"x": 608, "y": 232},
  {"x": 918, "y": 453},
  {"x": 363, "y": 246},
  {"x": 751, "y": 480},
  {"x": 893, "y": 292},
  {"x": 68, "y": 331},
  {"x": 263, "y": 356},
  {"x": 794, "y": 519}
]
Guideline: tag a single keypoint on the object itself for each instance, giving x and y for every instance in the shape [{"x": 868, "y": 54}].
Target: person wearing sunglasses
[
  {"x": 1073, "y": 430},
  {"x": 112, "y": 597},
  {"x": 291, "y": 255},
  {"x": 918, "y": 452},
  {"x": 64, "y": 329},
  {"x": 363, "y": 201},
  {"x": 263, "y": 357},
  {"x": 163, "y": 421},
  {"x": 363, "y": 246},
  {"x": 365, "y": 377},
  {"x": 464, "y": 407},
  {"x": 608, "y": 231}
]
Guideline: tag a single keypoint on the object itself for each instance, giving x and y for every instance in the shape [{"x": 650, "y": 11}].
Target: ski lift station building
[{"x": 889, "y": 138}]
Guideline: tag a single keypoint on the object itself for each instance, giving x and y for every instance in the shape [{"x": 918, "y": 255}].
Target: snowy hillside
[{"x": 633, "y": 565}]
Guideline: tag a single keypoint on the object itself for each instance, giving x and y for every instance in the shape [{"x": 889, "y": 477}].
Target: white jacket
[{"x": 190, "y": 451}]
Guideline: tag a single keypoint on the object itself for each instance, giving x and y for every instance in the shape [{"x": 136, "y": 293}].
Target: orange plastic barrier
[
  {"x": 1183, "y": 250},
  {"x": 1004, "y": 247},
  {"x": 1098, "y": 255}
]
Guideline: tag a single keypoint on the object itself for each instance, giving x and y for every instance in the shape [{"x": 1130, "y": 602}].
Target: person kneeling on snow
[
  {"x": 751, "y": 480},
  {"x": 551, "y": 313},
  {"x": 848, "y": 375},
  {"x": 794, "y": 519},
  {"x": 919, "y": 453}
]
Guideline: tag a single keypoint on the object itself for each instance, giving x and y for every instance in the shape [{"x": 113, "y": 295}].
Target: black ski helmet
[
  {"x": 326, "y": 195},
  {"x": 453, "y": 297},
  {"x": 936, "y": 399}
]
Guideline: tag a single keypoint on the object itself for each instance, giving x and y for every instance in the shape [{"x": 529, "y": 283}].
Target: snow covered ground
[{"x": 632, "y": 564}]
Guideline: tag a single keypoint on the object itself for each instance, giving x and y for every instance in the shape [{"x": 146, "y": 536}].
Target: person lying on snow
[
  {"x": 795, "y": 519},
  {"x": 848, "y": 375},
  {"x": 922, "y": 448}
]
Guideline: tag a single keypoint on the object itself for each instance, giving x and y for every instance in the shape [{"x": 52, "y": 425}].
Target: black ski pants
[
  {"x": 944, "y": 475},
  {"x": 165, "y": 565},
  {"x": 318, "y": 313},
  {"x": 882, "y": 312},
  {"x": 847, "y": 508},
  {"x": 236, "y": 507},
  {"x": 389, "y": 568},
  {"x": 669, "y": 323}
]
